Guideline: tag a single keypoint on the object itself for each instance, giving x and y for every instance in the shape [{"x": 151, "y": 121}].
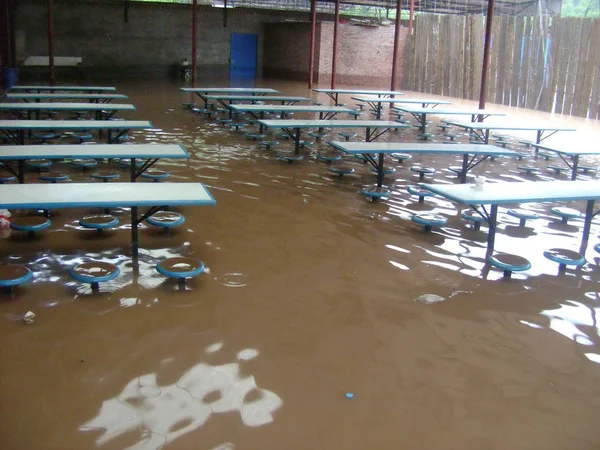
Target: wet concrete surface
[{"x": 310, "y": 292}]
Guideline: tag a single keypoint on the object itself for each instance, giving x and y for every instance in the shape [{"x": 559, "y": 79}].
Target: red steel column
[
  {"x": 411, "y": 15},
  {"x": 194, "y": 39},
  {"x": 313, "y": 32},
  {"x": 51, "y": 42},
  {"x": 486, "y": 56},
  {"x": 396, "y": 46},
  {"x": 335, "y": 33}
]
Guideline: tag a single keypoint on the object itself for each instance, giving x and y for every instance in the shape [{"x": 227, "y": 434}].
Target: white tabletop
[
  {"x": 359, "y": 91},
  {"x": 73, "y": 124},
  {"x": 224, "y": 90},
  {"x": 518, "y": 192},
  {"x": 104, "y": 195},
  {"x": 55, "y": 106},
  {"x": 429, "y": 101},
  {"x": 281, "y": 123},
  {"x": 64, "y": 88},
  {"x": 439, "y": 111},
  {"x": 143, "y": 151},
  {"x": 254, "y": 98},
  {"x": 415, "y": 147},
  {"x": 513, "y": 126},
  {"x": 571, "y": 151},
  {"x": 291, "y": 108},
  {"x": 16, "y": 95}
]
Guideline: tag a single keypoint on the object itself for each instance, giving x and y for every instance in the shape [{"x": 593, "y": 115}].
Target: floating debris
[
  {"x": 429, "y": 299},
  {"x": 29, "y": 318}
]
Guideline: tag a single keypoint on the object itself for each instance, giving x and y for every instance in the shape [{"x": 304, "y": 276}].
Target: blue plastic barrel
[{"x": 9, "y": 77}]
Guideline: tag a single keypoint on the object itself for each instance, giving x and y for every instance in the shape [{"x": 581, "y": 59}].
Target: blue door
[{"x": 242, "y": 65}]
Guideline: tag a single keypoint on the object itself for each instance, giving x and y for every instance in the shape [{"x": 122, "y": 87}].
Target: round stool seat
[
  {"x": 95, "y": 272},
  {"x": 375, "y": 192},
  {"x": 509, "y": 263},
  {"x": 546, "y": 155},
  {"x": 166, "y": 219},
  {"x": 558, "y": 169},
  {"x": 472, "y": 216},
  {"x": 44, "y": 136},
  {"x": 389, "y": 171},
  {"x": 38, "y": 163},
  {"x": 105, "y": 176},
  {"x": 451, "y": 136},
  {"x": 422, "y": 171},
  {"x": 54, "y": 177},
  {"x": 341, "y": 171},
  {"x": 429, "y": 220},
  {"x": 586, "y": 169},
  {"x": 564, "y": 257},
  {"x": 328, "y": 158},
  {"x": 268, "y": 144},
  {"x": 401, "y": 157},
  {"x": 290, "y": 158},
  {"x": 425, "y": 136},
  {"x": 180, "y": 267},
  {"x": 7, "y": 178},
  {"x": 126, "y": 162},
  {"x": 237, "y": 125},
  {"x": 82, "y": 136},
  {"x": 224, "y": 121},
  {"x": 347, "y": 136},
  {"x": 255, "y": 136},
  {"x": 99, "y": 221},
  {"x": 123, "y": 137},
  {"x": 565, "y": 213},
  {"x": 356, "y": 114},
  {"x": 317, "y": 135},
  {"x": 528, "y": 169},
  {"x": 303, "y": 144},
  {"x": 14, "y": 274},
  {"x": 84, "y": 163},
  {"x": 419, "y": 191},
  {"x": 456, "y": 169},
  {"x": 155, "y": 174},
  {"x": 523, "y": 215},
  {"x": 31, "y": 224},
  {"x": 597, "y": 248}
]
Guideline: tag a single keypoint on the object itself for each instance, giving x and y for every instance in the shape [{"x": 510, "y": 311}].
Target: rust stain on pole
[
  {"x": 486, "y": 56},
  {"x": 194, "y": 40},
  {"x": 335, "y": 33},
  {"x": 51, "y": 42},
  {"x": 313, "y": 31}
]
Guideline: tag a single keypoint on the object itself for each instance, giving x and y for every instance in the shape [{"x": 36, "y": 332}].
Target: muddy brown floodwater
[{"x": 310, "y": 293}]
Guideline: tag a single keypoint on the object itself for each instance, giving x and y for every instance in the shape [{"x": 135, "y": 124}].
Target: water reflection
[{"x": 161, "y": 414}]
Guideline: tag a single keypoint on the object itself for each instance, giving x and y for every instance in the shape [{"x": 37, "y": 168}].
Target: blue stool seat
[
  {"x": 347, "y": 136},
  {"x": 44, "y": 136},
  {"x": 180, "y": 268},
  {"x": 356, "y": 114},
  {"x": 586, "y": 169},
  {"x": 375, "y": 192},
  {"x": 509, "y": 263},
  {"x": 558, "y": 169},
  {"x": 473, "y": 216},
  {"x": 456, "y": 169},
  {"x": 565, "y": 213},
  {"x": 237, "y": 125},
  {"x": 429, "y": 220},
  {"x": 224, "y": 121},
  {"x": 341, "y": 171},
  {"x": 425, "y": 136},
  {"x": 123, "y": 138},
  {"x": 523, "y": 215},
  {"x": 38, "y": 164},
  {"x": 7, "y": 178},
  {"x": 444, "y": 127},
  {"x": 126, "y": 162},
  {"x": 30, "y": 224},
  {"x": 255, "y": 136},
  {"x": 155, "y": 174},
  {"x": 105, "y": 176},
  {"x": 503, "y": 142},
  {"x": 419, "y": 191},
  {"x": 328, "y": 158},
  {"x": 451, "y": 136},
  {"x": 54, "y": 177},
  {"x": 526, "y": 144},
  {"x": 13, "y": 275},
  {"x": 597, "y": 248},
  {"x": 528, "y": 169},
  {"x": 361, "y": 158},
  {"x": 289, "y": 157},
  {"x": 81, "y": 137},
  {"x": 303, "y": 144},
  {"x": 166, "y": 219},
  {"x": 317, "y": 136},
  {"x": 546, "y": 155},
  {"x": 95, "y": 272},
  {"x": 422, "y": 171},
  {"x": 564, "y": 258},
  {"x": 389, "y": 171},
  {"x": 401, "y": 157},
  {"x": 99, "y": 221},
  {"x": 84, "y": 163},
  {"x": 268, "y": 144}
]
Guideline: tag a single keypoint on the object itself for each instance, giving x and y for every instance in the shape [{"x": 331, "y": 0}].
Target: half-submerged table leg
[
  {"x": 297, "y": 142},
  {"x": 589, "y": 215},
  {"x": 574, "y": 167},
  {"x": 491, "y": 230},
  {"x": 465, "y": 168},
  {"x": 380, "y": 171}
]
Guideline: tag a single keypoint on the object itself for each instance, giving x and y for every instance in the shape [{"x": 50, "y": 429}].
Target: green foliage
[{"x": 580, "y": 8}]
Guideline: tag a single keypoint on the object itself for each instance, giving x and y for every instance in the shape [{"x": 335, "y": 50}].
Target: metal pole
[
  {"x": 396, "y": 47},
  {"x": 486, "y": 56},
  {"x": 51, "y": 42},
  {"x": 335, "y": 32},
  {"x": 411, "y": 16},
  {"x": 313, "y": 31},
  {"x": 194, "y": 39},
  {"x": 224, "y": 13}
]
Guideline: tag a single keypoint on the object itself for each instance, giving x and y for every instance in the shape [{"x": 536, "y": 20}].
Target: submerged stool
[
  {"x": 586, "y": 169},
  {"x": 38, "y": 164},
  {"x": 180, "y": 268},
  {"x": 237, "y": 125},
  {"x": 456, "y": 170},
  {"x": 53, "y": 177},
  {"x": 30, "y": 224},
  {"x": 166, "y": 219},
  {"x": 82, "y": 137},
  {"x": 374, "y": 193},
  {"x": 105, "y": 176},
  {"x": 290, "y": 158},
  {"x": 12, "y": 275},
  {"x": 341, "y": 171},
  {"x": 255, "y": 136},
  {"x": 318, "y": 136},
  {"x": 429, "y": 220},
  {"x": 224, "y": 121},
  {"x": 558, "y": 169},
  {"x": 268, "y": 145},
  {"x": 99, "y": 222},
  {"x": 422, "y": 171},
  {"x": 425, "y": 136},
  {"x": 523, "y": 215},
  {"x": 526, "y": 144},
  {"x": 529, "y": 170},
  {"x": 84, "y": 163},
  {"x": 451, "y": 136},
  {"x": 7, "y": 178},
  {"x": 564, "y": 258},
  {"x": 347, "y": 136},
  {"x": 389, "y": 171},
  {"x": 401, "y": 157},
  {"x": 473, "y": 216},
  {"x": 546, "y": 155},
  {"x": 95, "y": 272},
  {"x": 126, "y": 162},
  {"x": 421, "y": 192},
  {"x": 328, "y": 158},
  {"x": 509, "y": 263},
  {"x": 44, "y": 136},
  {"x": 155, "y": 174},
  {"x": 597, "y": 248},
  {"x": 304, "y": 144},
  {"x": 565, "y": 213},
  {"x": 444, "y": 127}
]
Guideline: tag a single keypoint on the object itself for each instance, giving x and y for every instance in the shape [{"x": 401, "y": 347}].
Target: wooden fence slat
[
  {"x": 547, "y": 98},
  {"x": 561, "y": 67},
  {"x": 518, "y": 45},
  {"x": 573, "y": 38},
  {"x": 582, "y": 103},
  {"x": 595, "y": 96}
]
